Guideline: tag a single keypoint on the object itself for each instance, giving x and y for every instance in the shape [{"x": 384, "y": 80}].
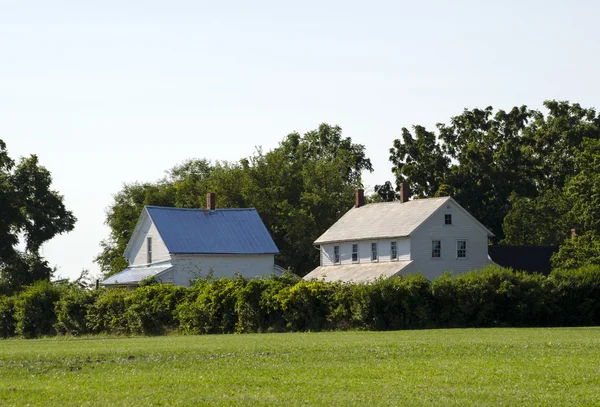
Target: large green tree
[
  {"x": 31, "y": 209},
  {"x": 507, "y": 168},
  {"x": 299, "y": 189}
]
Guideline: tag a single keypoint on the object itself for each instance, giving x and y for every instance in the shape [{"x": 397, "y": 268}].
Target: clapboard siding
[
  {"x": 364, "y": 251},
  {"x": 139, "y": 249},
  {"x": 186, "y": 267},
  {"x": 463, "y": 228}
]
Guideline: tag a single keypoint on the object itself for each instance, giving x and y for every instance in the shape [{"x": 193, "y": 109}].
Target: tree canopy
[
  {"x": 31, "y": 209},
  {"x": 299, "y": 189},
  {"x": 509, "y": 169}
]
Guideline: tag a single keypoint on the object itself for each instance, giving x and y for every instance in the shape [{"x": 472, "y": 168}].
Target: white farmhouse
[
  {"x": 176, "y": 245},
  {"x": 429, "y": 236}
]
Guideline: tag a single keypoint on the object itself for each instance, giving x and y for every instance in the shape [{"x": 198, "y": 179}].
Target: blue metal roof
[
  {"x": 222, "y": 231},
  {"x": 135, "y": 274}
]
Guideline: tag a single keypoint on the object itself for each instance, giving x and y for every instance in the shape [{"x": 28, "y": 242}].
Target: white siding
[
  {"x": 463, "y": 228},
  {"x": 187, "y": 267},
  {"x": 139, "y": 248},
  {"x": 364, "y": 251}
]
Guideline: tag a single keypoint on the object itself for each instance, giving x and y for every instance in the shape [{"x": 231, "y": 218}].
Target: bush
[
  {"x": 394, "y": 303},
  {"x": 7, "y": 317},
  {"x": 577, "y": 295},
  {"x": 107, "y": 313},
  {"x": 210, "y": 306},
  {"x": 72, "y": 310},
  {"x": 150, "y": 309},
  {"x": 494, "y": 296},
  {"x": 34, "y": 310}
]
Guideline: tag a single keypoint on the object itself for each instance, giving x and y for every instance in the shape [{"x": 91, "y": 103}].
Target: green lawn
[{"x": 436, "y": 367}]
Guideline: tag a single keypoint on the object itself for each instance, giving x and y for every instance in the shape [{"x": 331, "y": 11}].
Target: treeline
[
  {"x": 529, "y": 176},
  {"x": 493, "y": 297}
]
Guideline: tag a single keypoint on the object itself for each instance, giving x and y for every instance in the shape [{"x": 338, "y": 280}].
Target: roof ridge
[{"x": 171, "y": 208}]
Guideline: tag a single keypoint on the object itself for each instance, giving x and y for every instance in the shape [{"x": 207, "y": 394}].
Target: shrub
[
  {"x": 210, "y": 306},
  {"x": 107, "y": 313},
  {"x": 34, "y": 310},
  {"x": 7, "y": 317},
  {"x": 577, "y": 295},
  {"x": 72, "y": 310},
  {"x": 494, "y": 296},
  {"x": 150, "y": 309},
  {"x": 306, "y": 305},
  {"x": 393, "y": 303}
]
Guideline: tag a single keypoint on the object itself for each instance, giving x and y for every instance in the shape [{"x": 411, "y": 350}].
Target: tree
[
  {"x": 299, "y": 189},
  {"x": 384, "y": 193},
  {"x": 29, "y": 208},
  {"x": 539, "y": 221},
  {"x": 504, "y": 167},
  {"x": 419, "y": 161}
]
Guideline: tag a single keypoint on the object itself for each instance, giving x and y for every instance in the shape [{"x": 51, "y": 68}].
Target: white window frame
[
  {"x": 336, "y": 255},
  {"x": 466, "y": 249},
  {"x": 451, "y": 220},
  {"x": 355, "y": 245},
  {"x": 374, "y": 253},
  {"x": 393, "y": 250},
  {"x": 149, "y": 250},
  {"x": 432, "y": 249}
]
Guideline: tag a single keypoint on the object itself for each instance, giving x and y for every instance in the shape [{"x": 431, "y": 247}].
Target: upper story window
[
  {"x": 436, "y": 249},
  {"x": 149, "y": 250},
  {"x": 374, "y": 255},
  {"x": 355, "y": 253},
  {"x": 461, "y": 249},
  {"x": 336, "y": 254},
  {"x": 447, "y": 219},
  {"x": 393, "y": 251}
]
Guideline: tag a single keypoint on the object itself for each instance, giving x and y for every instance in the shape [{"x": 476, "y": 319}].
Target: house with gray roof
[
  {"x": 176, "y": 245},
  {"x": 429, "y": 236}
]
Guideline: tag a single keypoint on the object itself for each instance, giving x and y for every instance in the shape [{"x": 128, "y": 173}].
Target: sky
[{"x": 112, "y": 92}]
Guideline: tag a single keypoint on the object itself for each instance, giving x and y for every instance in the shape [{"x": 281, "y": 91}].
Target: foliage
[
  {"x": 31, "y": 209},
  {"x": 491, "y": 297},
  {"x": 34, "y": 310},
  {"x": 577, "y": 252},
  {"x": 299, "y": 189},
  {"x": 577, "y": 295},
  {"x": 7, "y": 316},
  {"x": 150, "y": 309},
  {"x": 512, "y": 170},
  {"x": 72, "y": 310},
  {"x": 107, "y": 314}
]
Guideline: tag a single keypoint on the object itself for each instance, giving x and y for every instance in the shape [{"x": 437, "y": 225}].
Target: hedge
[{"x": 491, "y": 297}]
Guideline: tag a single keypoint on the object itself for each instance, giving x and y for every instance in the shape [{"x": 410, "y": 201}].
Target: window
[
  {"x": 393, "y": 251},
  {"x": 447, "y": 219},
  {"x": 461, "y": 249},
  {"x": 149, "y": 250},
  {"x": 374, "y": 252},
  {"x": 436, "y": 249},
  {"x": 355, "y": 253},
  {"x": 336, "y": 254}
]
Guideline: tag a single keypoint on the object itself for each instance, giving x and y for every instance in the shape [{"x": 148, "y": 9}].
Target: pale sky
[{"x": 109, "y": 92}]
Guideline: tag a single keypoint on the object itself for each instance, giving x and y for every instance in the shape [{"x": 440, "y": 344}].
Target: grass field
[{"x": 466, "y": 367}]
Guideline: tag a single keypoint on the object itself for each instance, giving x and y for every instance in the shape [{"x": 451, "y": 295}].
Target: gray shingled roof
[
  {"x": 381, "y": 220},
  {"x": 135, "y": 274},
  {"x": 357, "y": 273}
]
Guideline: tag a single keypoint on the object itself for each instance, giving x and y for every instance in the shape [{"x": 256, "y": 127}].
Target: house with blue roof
[{"x": 176, "y": 245}]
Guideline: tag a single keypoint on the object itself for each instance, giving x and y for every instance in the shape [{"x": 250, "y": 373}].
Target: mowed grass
[{"x": 463, "y": 367}]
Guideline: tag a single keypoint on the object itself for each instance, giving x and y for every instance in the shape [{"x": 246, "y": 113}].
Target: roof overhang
[{"x": 358, "y": 272}]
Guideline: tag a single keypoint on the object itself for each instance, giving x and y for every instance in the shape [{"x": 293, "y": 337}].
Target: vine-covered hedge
[{"x": 491, "y": 297}]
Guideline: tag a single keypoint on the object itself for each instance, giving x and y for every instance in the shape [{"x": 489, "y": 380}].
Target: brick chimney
[
  {"x": 359, "y": 197},
  {"x": 211, "y": 199},
  {"x": 404, "y": 192}
]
